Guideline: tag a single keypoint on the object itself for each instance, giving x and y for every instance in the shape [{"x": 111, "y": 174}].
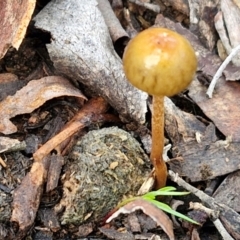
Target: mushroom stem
[{"x": 156, "y": 155}]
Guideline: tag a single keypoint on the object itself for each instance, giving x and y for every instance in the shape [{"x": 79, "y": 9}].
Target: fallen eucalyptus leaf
[{"x": 32, "y": 96}]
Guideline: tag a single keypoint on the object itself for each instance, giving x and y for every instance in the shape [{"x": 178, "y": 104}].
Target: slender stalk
[{"x": 158, "y": 141}]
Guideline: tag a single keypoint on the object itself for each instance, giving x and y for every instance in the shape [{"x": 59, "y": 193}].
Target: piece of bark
[
  {"x": 26, "y": 198},
  {"x": 54, "y": 172},
  {"x": 82, "y": 49},
  {"x": 228, "y": 191},
  {"x": 14, "y": 19},
  {"x": 49, "y": 219},
  {"x": 146, "y": 5},
  {"x": 9, "y": 84},
  {"x": 223, "y": 109},
  {"x": 115, "y": 28},
  {"x": 227, "y": 23},
  {"x": 84, "y": 230},
  {"x": 202, "y": 160}
]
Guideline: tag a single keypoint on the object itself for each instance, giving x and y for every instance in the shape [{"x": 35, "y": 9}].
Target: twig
[
  {"x": 217, "y": 223},
  {"x": 193, "y": 6},
  {"x": 225, "y": 235},
  {"x": 219, "y": 72},
  {"x": 92, "y": 109},
  {"x": 200, "y": 194},
  {"x": 153, "y": 7},
  {"x": 3, "y": 163}
]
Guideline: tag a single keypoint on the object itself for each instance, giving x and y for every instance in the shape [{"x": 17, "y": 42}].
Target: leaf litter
[
  {"x": 32, "y": 96},
  {"x": 198, "y": 151}
]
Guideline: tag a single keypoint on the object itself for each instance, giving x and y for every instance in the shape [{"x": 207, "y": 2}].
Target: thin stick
[
  {"x": 219, "y": 72},
  {"x": 212, "y": 214},
  {"x": 156, "y": 155},
  {"x": 221, "y": 229},
  {"x": 3, "y": 163},
  {"x": 153, "y": 7}
]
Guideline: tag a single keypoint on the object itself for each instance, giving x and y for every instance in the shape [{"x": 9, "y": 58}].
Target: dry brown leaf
[
  {"x": 149, "y": 209},
  {"x": 15, "y": 16},
  {"x": 223, "y": 109},
  {"x": 32, "y": 96},
  {"x": 198, "y": 153}
]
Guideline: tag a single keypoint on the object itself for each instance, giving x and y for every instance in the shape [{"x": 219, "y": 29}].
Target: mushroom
[{"x": 162, "y": 63}]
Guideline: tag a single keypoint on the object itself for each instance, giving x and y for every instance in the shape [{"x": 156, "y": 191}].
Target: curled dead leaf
[
  {"x": 149, "y": 209},
  {"x": 32, "y": 96}
]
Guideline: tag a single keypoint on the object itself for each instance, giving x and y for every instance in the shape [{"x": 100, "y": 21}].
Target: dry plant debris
[
  {"x": 14, "y": 19},
  {"x": 32, "y": 96},
  {"x": 83, "y": 38},
  {"x": 198, "y": 159},
  {"x": 152, "y": 211}
]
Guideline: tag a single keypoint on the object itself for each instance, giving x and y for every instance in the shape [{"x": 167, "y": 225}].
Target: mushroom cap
[{"x": 160, "y": 62}]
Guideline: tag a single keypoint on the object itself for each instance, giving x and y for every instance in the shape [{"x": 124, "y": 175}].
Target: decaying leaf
[
  {"x": 14, "y": 19},
  {"x": 84, "y": 52},
  {"x": 202, "y": 160},
  {"x": 32, "y": 96},
  {"x": 116, "y": 235},
  {"x": 149, "y": 209},
  {"x": 223, "y": 109}
]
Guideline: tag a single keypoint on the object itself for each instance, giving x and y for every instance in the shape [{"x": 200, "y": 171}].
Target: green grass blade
[
  {"x": 168, "y": 209},
  {"x": 153, "y": 194}
]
